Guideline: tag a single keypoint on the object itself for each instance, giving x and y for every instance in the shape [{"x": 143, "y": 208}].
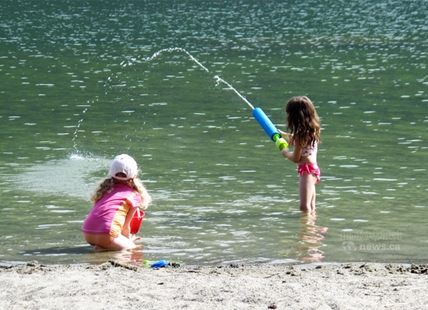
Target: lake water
[{"x": 80, "y": 82}]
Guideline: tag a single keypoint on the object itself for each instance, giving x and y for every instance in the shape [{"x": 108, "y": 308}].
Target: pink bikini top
[{"x": 309, "y": 149}]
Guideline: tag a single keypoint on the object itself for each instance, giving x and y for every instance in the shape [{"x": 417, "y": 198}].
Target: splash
[
  {"x": 86, "y": 107},
  {"x": 73, "y": 177},
  {"x": 79, "y": 123}
]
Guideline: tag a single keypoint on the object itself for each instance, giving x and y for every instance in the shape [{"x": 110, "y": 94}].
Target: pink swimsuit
[
  {"x": 109, "y": 213},
  {"x": 310, "y": 169}
]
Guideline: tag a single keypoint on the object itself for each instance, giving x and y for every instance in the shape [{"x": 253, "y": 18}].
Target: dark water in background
[{"x": 77, "y": 88}]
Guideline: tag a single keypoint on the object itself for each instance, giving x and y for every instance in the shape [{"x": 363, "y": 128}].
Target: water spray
[{"x": 258, "y": 113}]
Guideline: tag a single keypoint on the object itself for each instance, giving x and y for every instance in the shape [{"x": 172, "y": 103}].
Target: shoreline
[
  {"x": 114, "y": 284},
  {"x": 174, "y": 265}
]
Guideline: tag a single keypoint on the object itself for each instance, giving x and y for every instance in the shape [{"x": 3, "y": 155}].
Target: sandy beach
[{"x": 115, "y": 285}]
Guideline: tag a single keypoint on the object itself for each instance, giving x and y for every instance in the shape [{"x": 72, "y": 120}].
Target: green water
[{"x": 78, "y": 85}]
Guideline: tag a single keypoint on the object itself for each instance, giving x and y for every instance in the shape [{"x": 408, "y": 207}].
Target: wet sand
[{"x": 115, "y": 285}]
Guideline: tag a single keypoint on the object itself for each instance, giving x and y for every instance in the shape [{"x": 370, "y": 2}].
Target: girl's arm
[
  {"x": 294, "y": 156},
  {"x": 126, "y": 231}
]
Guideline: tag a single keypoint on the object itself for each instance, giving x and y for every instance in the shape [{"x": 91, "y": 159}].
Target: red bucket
[{"x": 136, "y": 221}]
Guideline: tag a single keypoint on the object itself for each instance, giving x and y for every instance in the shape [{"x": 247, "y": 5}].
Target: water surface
[{"x": 79, "y": 85}]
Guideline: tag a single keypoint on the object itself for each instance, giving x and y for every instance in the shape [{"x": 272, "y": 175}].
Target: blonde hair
[{"x": 107, "y": 185}]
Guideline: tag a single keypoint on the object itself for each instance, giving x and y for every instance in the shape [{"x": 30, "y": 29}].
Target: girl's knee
[
  {"x": 122, "y": 243},
  {"x": 305, "y": 208}
]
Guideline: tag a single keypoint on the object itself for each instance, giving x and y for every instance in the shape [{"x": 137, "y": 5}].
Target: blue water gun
[
  {"x": 269, "y": 128},
  {"x": 159, "y": 264}
]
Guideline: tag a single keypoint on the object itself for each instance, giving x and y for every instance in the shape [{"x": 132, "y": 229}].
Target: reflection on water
[
  {"x": 131, "y": 257},
  {"x": 309, "y": 248},
  {"x": 78, "y": 86}
]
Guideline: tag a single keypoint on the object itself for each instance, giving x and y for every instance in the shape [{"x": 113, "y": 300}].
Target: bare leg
[
  {"x": 307, "y": 192},
  {"x": 119, "y": 243},
  {"x": 103, "y": 242},
  {"x": 314, "y": 196}
]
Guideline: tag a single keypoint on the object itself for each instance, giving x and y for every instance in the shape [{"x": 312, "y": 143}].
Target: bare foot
[{"x": 99, "y": 248}]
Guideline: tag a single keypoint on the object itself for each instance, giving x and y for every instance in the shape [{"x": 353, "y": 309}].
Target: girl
[
  {"x": 304, "y": 126},
  {"x": 116, "y": 199}
]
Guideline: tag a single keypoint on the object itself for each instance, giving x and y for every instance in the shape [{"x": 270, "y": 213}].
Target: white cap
[{"x": 123, "y": 164}]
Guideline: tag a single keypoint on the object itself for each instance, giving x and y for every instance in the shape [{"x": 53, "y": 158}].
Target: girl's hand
[
  {"x": 286, "y": 153},
  {"x": 285, "y": 135},
  {"x": 134, "y": 238}
]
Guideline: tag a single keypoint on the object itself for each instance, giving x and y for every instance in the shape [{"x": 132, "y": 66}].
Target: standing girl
[
  {"x": 304, "y": 127},
  {"x": 107, "y": 226}
]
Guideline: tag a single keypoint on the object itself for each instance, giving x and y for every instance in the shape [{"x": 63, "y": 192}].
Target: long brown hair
[
  {"x": 107, "y": 185},
  {"x": 303, "y": 121}
]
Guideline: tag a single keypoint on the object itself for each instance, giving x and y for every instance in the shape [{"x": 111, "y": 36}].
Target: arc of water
[
  {"x": 173, "y": 49},
  {"x": 219, "y": 79}
]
